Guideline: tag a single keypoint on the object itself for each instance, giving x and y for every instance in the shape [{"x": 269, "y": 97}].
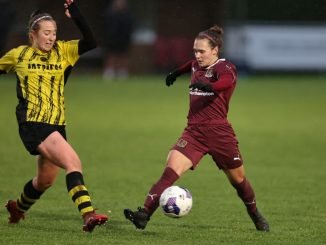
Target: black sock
[
  {"x": 28, "y": 197},
  {"x": 78, "y": 192}
]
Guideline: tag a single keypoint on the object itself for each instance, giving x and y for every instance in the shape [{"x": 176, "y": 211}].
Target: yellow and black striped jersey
[{"x": 41, "y": 78}]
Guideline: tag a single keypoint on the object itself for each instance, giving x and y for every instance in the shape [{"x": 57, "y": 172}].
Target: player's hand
[
  {"x": 205, "y": 87},
  {"x": 170, "y": 78},
  {"x": 66, "y": 5}
]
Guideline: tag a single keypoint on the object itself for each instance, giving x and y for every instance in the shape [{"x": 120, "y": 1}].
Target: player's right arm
[{"x": 172, "y": 76}]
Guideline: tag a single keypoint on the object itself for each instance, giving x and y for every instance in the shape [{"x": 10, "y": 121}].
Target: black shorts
[{"x": 33, "y": 133}]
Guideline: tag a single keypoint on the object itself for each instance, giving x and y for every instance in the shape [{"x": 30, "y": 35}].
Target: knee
[
  {"x": 235, "y": 176},
  {"x": 237, "y": 180},
  {"x": 178, "y": 162},
  {"x": 178, "y": 169}
]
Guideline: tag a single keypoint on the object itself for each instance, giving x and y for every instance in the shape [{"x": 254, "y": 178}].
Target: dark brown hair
[{"x": 213, "y": 35}]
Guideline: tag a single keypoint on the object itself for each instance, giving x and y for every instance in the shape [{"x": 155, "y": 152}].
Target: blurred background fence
[{"x": 278, "y": 35}]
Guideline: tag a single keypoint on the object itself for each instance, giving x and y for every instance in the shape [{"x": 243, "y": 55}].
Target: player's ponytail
[{"x": 214, "y": 35}]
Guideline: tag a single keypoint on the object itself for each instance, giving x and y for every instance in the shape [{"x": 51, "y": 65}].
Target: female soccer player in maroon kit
[{"x": 213, "y": 81}]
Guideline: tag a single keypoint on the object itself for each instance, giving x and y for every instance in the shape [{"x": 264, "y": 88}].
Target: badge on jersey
[
  {"x": 209, "y": 73},
  {"x": 182, "y": 143}
]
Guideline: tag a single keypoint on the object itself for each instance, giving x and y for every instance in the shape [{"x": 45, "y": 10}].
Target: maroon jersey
[{"x": 210, "y": 108}]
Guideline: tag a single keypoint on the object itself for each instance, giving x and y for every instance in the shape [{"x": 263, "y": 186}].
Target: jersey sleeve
[
  {"x": 70, "y": 50},
  {"x": 184, "y": 68},
  {"x": 225, "y": 81},
  {"x": 226, "y": 77},
  {"x": 8, "y": 62},
  {"x": 88, "y": 41}
]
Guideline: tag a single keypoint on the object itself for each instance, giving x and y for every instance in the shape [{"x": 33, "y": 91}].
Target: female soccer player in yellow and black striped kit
[{"x": 42, "y": 70}]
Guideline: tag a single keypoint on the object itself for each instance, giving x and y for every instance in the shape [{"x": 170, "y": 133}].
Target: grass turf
[{"x": 122, "y": 131}]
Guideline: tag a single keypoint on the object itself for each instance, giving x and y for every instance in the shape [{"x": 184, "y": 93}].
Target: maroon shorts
[{"x": 219, "y": 141}]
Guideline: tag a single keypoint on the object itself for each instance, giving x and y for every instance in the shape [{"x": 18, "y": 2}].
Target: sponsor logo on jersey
[
  {"x": 200, "y": 93},
  {"x": 49, "y": 67}
]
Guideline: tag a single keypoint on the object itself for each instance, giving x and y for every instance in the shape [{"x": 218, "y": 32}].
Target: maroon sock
[
  {"x": 247, "y": 195},
  {"x": 168, "y": 177}
]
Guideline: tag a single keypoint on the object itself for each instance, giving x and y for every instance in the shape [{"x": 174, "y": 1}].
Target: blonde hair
[{"x": 35, "y": 18}]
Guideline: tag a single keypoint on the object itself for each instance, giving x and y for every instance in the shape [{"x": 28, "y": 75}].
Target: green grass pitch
[{"x": 123, "y": 130}]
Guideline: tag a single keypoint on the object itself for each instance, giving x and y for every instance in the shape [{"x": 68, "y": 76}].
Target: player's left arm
[
  {"x": 225, "y": 81},
  {"x": 88, "y": 41}
]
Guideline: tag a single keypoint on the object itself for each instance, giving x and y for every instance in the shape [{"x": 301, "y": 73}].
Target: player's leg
[
  {"x": 58, "y": 151},
  {"x": 109, "y": 71},
  {"x": 122, "y": 70},
  {"x": 241, "y": 184},
  {"x": 177, "y": 164},
  {"x": 46, "y": 174},
  {"x": 246, "y": 193},
  {"x": 223, "y": 146},
  {"x": 185, "y": 154},
  {"x": 33, "y": 189}
]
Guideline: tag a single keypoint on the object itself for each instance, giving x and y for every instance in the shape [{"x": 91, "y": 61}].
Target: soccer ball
[{"x": 176, "y": 201}]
